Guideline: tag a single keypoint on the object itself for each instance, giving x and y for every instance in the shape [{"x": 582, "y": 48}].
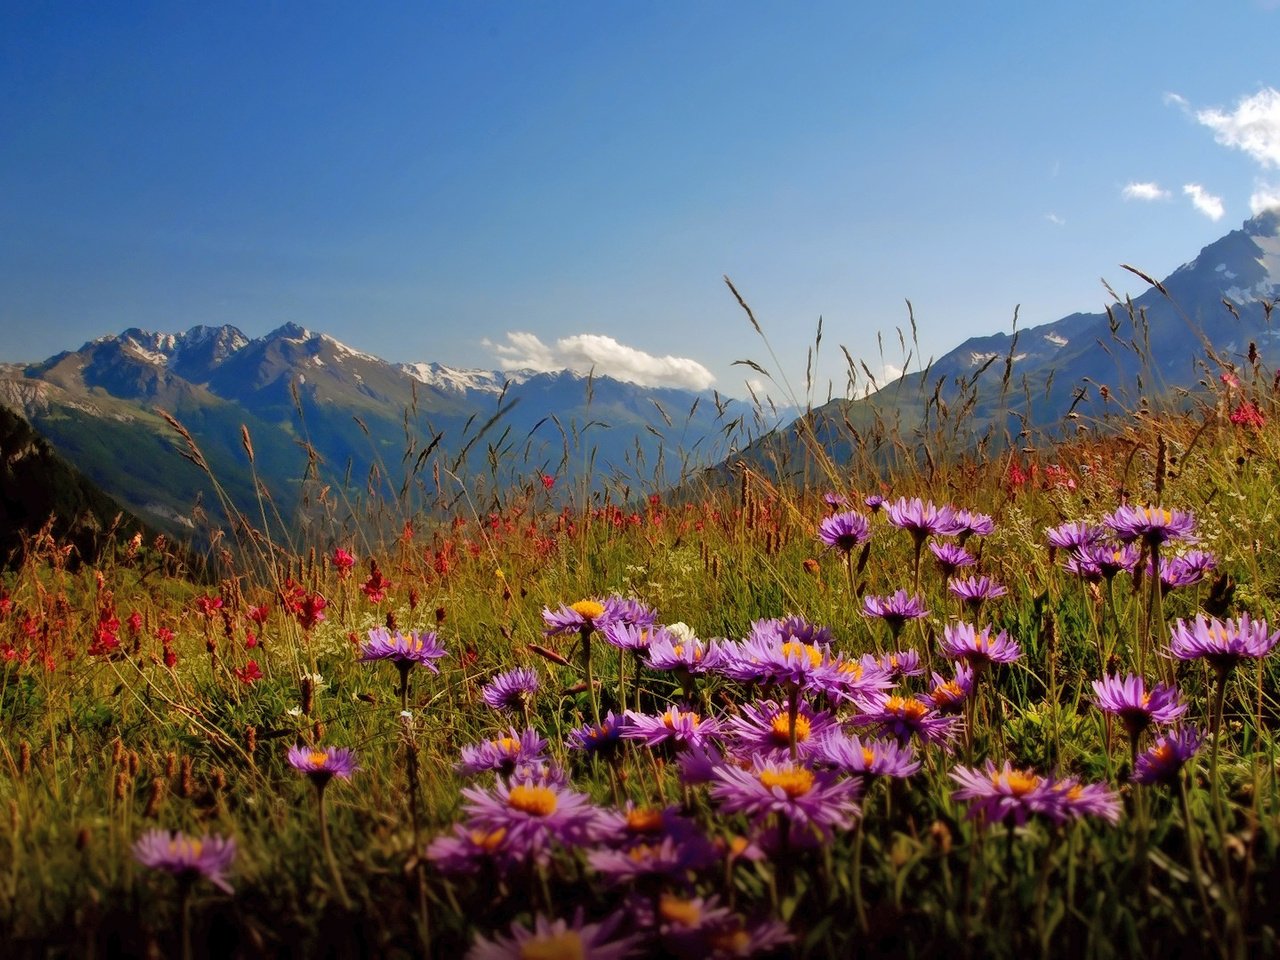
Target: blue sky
[{"x": 566, "y": 183}]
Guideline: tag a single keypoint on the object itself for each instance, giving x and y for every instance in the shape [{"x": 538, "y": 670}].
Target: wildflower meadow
[{"x": 973, "y": 703}]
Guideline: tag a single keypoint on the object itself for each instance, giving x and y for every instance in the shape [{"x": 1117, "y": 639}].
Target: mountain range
[
  {"x": 313, "y": 424},
  {"x": 317, "y": 414}
]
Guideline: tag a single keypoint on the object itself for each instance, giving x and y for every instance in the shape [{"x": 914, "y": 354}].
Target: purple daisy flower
[
  {"x": 905, "y": 717},
  {"x": 1096, "y": 561},
  {"x": 701, "y": 929},
  {"x": 629, "y": 610},
  {"x": 187, "y": 858},
  {"x": 665, "y": 856},
  {"x": 1162, "y": 762},
  {"x": 1224, "y": 643},
  {"x": 511, "y": 689},
  {"x": 540, "y": 772},
  {"x": 849, "y": 678},
  {"x": 765, "y": 729},
  {"x": 950, "y": 557},
  {"x": 1006, "y": 794},
  {"x": 575, "y": 617},
  {"x": 675, "y": 727},
  {"x": 502, "y": 755},
  {"x": 948, "y": 696},
  {"x": 874, "y": 758},
  {"x": 895, "y": 609},
  {"x": 1152, "y": 525},
  {"x": 767, "y": 659},
  {"x": 978, "y": 649},
  {"x": 629, "y": 636},
  {"x": 558, "y": 938},
  {"x": 1073, "y": 536},
  {"x": 322, "y": 764},
  {"x": 468, "y": 850},
  {"x": 835, "y": 500},
  {"x": 901, "y": 663},
  {"x": 1185, "y": 570},
  {"x": 534, "y": 815},
  {"x": 797, "y": 793},
  {"x": 681, "y": 650},
  {"x": 634, "y": 825},
  {"x": 975, "y": 591},
  {"x": 922, "y": 519},
  {"x": 1078, "y": 800},
  {"x": 972, "y": 522},
  {"x": 1137, "y": 707},
  {"x": 874, "y": 502},
  {"x": 603, "y": 739},
  {"x": 844, "y": 531},
  {"x": 415, "y": 648},
  {"x": 699, "y": 763}
]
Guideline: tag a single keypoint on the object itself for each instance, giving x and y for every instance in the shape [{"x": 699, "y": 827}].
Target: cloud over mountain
[
  {"x": 584, "y": 352},
  {"x": 1204, "y": 201},
  {"x": 1253, "y": 127}
]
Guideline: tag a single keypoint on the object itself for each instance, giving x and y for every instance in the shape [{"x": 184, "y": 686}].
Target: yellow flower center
[
  {"x": 851, "y": 666},
  {"x": 318, "y": 758},
  {"x": 868, "y": 757},
  {"x": 536, "y": 801},
  {"x": 948, "y": 692},
  {"x": 908, "y": 708},
  {"x": 738, "y": 846},
  {"x": 1019, "y": 782},
  {"x": 588, "y": 609},
  {"x": 669, "y": 719},
  {"x": 507, "y": 744},
  {"x": 1162, "y": 752},
  {"x": 794, "y": 648},
  {"x": 780, "y": 729},
  {"x": 555, "y": 946},
  {"x": 684, "y": 912},
  {"x": 732, "y": 943},
  {"x": 794, "y": 781},
  {"x": 1075, "y": 793},
  {"x": 644, "y": 820},
  {"x": 488, "y": 840}
]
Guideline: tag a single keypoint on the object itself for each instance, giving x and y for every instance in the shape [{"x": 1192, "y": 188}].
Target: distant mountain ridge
[
  {"x": 1218, "y": 303},
  {"x": 315, "y": 407}
]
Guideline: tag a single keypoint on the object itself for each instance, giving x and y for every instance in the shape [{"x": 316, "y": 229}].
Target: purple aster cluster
[
  {"x": 975, "y": 591},
  {"x": 1186, "y": 569},
  {"x": 868, "y": 758},
  {"x": 187, "y": 858},
  {"x": 576, "y": 617},
  {"x": 558, "y": 938},
  {"x": 673, "y": 649},
  {"x": 504, "y": 754},
  {"x": 1073, "y": 536},
  {"x": 701, "y": 929},
  {"x": 534, "y": 816},
  {"x": 764, "y": 729},
  {"x": 950, "y": 557},
  {"x": 673, "y": 728},
  {"x": 602, "y": 739},
  {"x": 905, "y": 717},
  {"x": 949, "y": 696},
  {"x": 971, "y": 523},
  {"x": 901, "y": 663}
]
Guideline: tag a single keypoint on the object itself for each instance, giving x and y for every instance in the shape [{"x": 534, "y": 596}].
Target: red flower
[
  {"x": 208, "y": 606},
  {"x": 249, "y": 673},
  {"x": 259, "y": 613},
  {"x": 344, "y": 561},
  {"x": 1247, "y": 415},
  {"x": 135, "y": 622},
  {"x": 310, "y": 610},
  {"x": 376, "y": 586},
  {"x": 250, "y": 639},
  {"x": 548, "y": 481}
]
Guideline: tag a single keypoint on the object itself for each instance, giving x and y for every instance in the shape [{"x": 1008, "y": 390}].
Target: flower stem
[{"x": 335, "y": 873}]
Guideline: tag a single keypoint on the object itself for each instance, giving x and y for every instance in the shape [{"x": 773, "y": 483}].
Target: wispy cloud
[
  {"x": 1204, "y": 201},
  {"x": 1176, "y": 100},
  {"x": 1135, "y": 190},
  {"x": 1056, "y": 220},
  {"x": 584, "y": 352},
  {"x": 1253, "y": 126},
  {"x": 1266, "y": 196}
]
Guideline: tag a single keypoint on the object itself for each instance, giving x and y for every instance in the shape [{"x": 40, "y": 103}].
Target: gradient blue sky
[{"x": 422, "y": 180}]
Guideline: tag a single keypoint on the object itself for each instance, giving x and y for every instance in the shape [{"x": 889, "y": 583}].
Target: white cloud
[
  {"x": 1056, "y": 220},
  {"x": 1176, "y": 100},
  {"x": 1265, "y": 196},
  {"x": 1204, "y": 201},
  {"x": 1254, "y": 126},
  {"x": 584, "y": 352},
  {"x": 1135, "y": 190}
]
